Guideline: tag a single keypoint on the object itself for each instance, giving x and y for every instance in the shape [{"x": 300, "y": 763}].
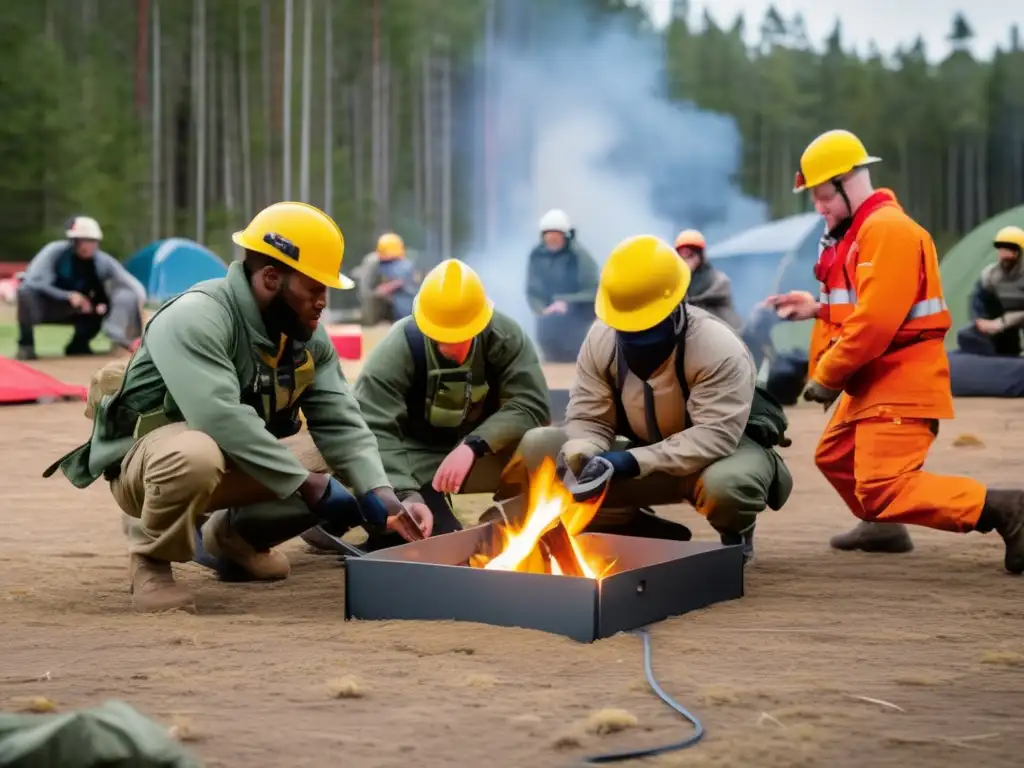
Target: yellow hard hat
[
  {"x": 452, "y": 305},
  {"x": 390, "y": 247},
  {"x": 1010, "y": 236},
  {"x": 642, "y": 282},
  {"x": 829, "y": 156},
  {"x": 301, "y": 236},
  {"x": 690, "y": 238}
]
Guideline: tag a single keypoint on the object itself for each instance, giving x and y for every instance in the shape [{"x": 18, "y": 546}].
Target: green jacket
[
  {"x": 502, "y": 354},
  {"x": 206, "y": 360}
]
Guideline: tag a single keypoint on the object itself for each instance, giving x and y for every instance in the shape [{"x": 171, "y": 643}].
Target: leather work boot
[
  {"x": 892, "y": 538},
  {"x": 222, "y": 542},
  {"x": 153, "y": 588},
  {"x": 1004, "y": 512}
]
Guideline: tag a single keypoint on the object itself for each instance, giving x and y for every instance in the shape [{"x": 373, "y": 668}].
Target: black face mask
[
  {"x": 646, "y": 351},
  {"x": 280, "y": 319}
]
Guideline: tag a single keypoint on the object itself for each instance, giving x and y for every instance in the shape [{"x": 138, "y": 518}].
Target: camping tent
[
  {"x": 21, "y": 383},
  {"x": 778, "y": 256},
  {"x": 963, "y": 264},
  {"x": 772, "y": 258},
  {"x": 168, "y": 267}
]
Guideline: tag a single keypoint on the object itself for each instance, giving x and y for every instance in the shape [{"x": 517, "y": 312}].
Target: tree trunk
[
  {"x": 416, "y": 132},
  {"x": 228, "y": 116},
  {"x": 199, "y": 89},
  {"x": 328, "y": 111},
  {"x": 446, "y": 154},
  {"x": 375, "y": 117},
  {"x": 156, "y": 126},
  {"x": 243, "y": 103},
  {"x": 286, "y": 118},
  {"x": 141, "y": 55},
  {"x": 268, "y": 101},
  {"x": 358, "y": 147},
  {"x": 307, "y": 96}
]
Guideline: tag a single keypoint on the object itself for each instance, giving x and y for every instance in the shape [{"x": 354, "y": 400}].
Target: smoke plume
[{"x": 581, "y": 121}]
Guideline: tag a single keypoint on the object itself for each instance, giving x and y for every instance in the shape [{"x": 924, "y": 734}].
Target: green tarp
[{"x": 112, "y": 735}]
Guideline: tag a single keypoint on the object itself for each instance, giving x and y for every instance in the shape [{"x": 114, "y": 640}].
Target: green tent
[{"x": 963, "y": 264}]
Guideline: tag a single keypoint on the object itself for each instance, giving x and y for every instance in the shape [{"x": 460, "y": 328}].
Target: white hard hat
[
  {"x": 83, "y": 228},
  {"x": 555, "y": 221}
]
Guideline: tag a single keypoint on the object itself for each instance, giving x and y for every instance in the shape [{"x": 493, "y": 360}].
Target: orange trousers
[{"x": 875, "y": 465}]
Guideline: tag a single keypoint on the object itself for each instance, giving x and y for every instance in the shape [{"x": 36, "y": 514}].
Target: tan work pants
[{"x": 174, "y": 477}]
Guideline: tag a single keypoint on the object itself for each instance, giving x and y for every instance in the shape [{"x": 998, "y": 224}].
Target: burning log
[{"x": 536, "y": 532}]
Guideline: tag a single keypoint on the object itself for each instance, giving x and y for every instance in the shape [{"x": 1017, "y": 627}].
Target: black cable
[{"x": 693, "y": 738}]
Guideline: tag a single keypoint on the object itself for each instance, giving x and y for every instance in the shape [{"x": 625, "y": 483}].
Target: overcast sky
[{"x": 887, "y": 23}]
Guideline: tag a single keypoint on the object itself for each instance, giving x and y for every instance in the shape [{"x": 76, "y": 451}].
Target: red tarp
[{"x": 21, "y": 383}]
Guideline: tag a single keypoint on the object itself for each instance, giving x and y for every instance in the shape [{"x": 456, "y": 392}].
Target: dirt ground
[{"x": 829, "y": 660}]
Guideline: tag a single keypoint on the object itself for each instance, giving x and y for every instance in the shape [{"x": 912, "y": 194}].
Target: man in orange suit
[{"x": 877, "y": 347}]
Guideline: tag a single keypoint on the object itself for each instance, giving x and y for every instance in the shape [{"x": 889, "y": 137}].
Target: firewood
[{"x": 558, "y": 544}]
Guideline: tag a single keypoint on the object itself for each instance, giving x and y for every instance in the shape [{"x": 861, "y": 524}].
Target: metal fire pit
[{"x": 652, "y": 580}]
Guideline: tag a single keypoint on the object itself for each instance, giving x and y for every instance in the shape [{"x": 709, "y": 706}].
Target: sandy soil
[{"x": 780, "y": 678}]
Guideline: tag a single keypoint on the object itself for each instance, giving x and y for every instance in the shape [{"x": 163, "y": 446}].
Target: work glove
[
  {"x": 818, "y": 393},
  {"x": 623, "y": 462},
  {"x": 593, "y": 480},
  {"x": 339, "y": 511}
]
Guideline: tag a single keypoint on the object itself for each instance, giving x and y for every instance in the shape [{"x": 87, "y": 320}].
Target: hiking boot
[
  {"x": 746, "y": 539},
  {"x": 1004, "y": 512},
  {"x": 26, "y": 353},
  {"x": 223, "y": 543},
  {"x": 892, "y": 538},
  {"x": 153, "y": 588}
]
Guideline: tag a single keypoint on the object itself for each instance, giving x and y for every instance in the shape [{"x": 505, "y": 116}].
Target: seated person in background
[
  {"x": 72, "y": 281},
  {"x": 997, "y": 302},
  {"x": 449, "y": 393},
  {"x": 561, "y": 280},
  {"x": 710, "y": 288},
  {"x": 387, "y": 282}
]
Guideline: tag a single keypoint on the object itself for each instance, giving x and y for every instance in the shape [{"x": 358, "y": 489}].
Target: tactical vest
[
  {"x": 445, "y": 404},
  {"x": 766, "y": 425},
  {"x": 273, "y": 389},
  {"x": 1009, "y": 288}
]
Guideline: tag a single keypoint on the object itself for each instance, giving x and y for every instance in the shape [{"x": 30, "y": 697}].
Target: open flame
[{"x": 546, "y": 541}]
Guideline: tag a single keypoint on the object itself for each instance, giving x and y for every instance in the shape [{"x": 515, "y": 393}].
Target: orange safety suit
[{"x": 878, "y": 337}]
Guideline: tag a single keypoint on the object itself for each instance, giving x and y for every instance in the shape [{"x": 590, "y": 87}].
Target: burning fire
[{"x": 546, "y": 541}]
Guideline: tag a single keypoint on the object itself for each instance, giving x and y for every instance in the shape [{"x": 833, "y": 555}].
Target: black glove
[
  {"x": 375, "y": 511},
  {"x": 623, "y": 462},
  {"x": 339, "y": 511},
  {"x": 593, "y": 479},
  {"x": 817, "y": 393}
]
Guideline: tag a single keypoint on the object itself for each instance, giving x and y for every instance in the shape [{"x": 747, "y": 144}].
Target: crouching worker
[
  {"x": 73, "y": 281},
  {"x": 198, "y": 420},
  {"x": 449, "y": 393},
  {"x": 666, "y": 393}
]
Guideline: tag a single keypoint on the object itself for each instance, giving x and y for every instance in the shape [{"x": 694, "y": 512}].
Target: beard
[{"x": 281, "y": 319}]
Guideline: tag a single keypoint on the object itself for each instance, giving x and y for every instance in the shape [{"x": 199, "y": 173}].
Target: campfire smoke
[{"x": 546, "y": 540}]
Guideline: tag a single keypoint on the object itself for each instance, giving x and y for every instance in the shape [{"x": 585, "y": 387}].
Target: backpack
[
  {"x": 417, "y": 425},
  {"x": 766, "y": 425}
]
